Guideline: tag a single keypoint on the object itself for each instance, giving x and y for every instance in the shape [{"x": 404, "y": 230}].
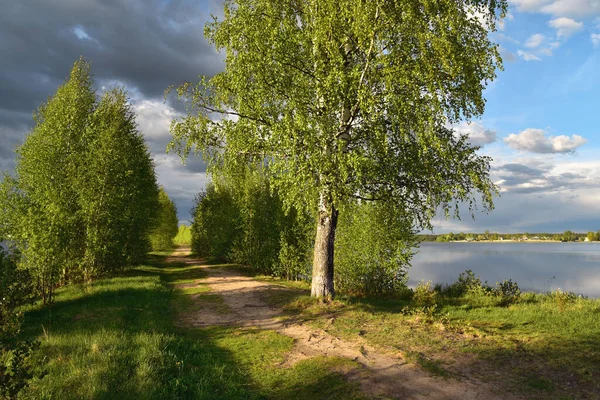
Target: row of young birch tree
[
  {"x": 82, "y": 202},
  {"x": 83, "y": 198}
]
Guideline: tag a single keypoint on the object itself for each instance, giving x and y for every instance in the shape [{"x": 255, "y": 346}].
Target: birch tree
[
  {"x": 83, "y": 195},
  {"x": 347, "y": 100},
  {"x": 166, "y": 225}
]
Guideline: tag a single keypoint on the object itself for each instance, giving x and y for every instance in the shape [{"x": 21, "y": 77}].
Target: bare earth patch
[{"x": 382, "y": 375}]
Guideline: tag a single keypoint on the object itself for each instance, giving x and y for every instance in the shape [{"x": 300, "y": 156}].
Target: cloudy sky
[{"x": 540, "y": 126}]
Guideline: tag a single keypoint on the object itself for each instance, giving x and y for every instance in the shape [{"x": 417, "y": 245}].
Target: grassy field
[
  {"x": 541, "y": 346},
  {"x": 117, "y": 339}
]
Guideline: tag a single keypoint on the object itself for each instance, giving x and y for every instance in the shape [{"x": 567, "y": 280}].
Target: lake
[{"x": 534, "y": 266}]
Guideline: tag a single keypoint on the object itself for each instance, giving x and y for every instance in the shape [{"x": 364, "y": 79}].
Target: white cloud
[
  {"x": 528, "y": 56},
  {"x": 572, "y": 8},
  {"x": 560, "y": 8},
  {"x": 535, "y": 41},
  {"x": 503, "y": 37},
  {"x": 506, "y": 54},
  {"x": 154, "y": 118},
  {"x": 565, "y": 27},
  {"x": 595, "y": 39},
  {"x": 536, "y": 141},
  {"x": 478, "y": 135}
]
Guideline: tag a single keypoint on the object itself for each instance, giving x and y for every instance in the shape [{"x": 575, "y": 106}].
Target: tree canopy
[
  {"x": 349, "y": 100},
  {"x": 166, "y": 226},
  {"x": 84, "y": 195}
]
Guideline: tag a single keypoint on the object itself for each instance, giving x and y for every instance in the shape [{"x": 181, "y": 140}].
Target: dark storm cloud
[
  {"x": 145, "y": 45},
  {"x": 148, "y": 45}
]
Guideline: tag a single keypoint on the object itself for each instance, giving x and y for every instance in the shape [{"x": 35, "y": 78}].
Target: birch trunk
[{"x": 322, "y": 275}]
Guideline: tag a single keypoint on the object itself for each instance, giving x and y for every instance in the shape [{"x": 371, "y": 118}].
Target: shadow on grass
[
  {"x": 115, "y": 339},
  {"x": 533, "y": 350}
]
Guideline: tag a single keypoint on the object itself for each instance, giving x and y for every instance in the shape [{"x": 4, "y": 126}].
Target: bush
[
  {"x": 217, "y": 222},
  {"x": 508, "y": 292},
  {"x": 16, "y": 366},
  {"x": 467, "y": 283},
  {"x": 424, "y": 295},
  {"x": 373, "y": 250},
  {"x": 241, "y": 219},
  {"x": 562, "y": 299},
  {"x": 165, "y": 227}
]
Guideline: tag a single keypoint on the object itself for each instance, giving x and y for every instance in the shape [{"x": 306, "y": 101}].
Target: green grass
[
  {"x": 545, "y": 345},
  {"x": 116, "y": 339},
  {"x": 184, "y": 236}
]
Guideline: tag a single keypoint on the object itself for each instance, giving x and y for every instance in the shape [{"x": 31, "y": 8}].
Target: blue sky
[
  {"x": 540, "y": 126},
  {"x": 541, "y": 120}
]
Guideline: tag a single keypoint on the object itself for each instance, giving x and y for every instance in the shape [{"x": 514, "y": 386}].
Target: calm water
[{"x": 534, "y": 266}]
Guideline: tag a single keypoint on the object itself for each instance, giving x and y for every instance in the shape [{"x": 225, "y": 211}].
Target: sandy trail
[{"x": 383, "y": 375}]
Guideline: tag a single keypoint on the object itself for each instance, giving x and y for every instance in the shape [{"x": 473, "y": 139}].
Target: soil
[{"x": 381, "y": 374}]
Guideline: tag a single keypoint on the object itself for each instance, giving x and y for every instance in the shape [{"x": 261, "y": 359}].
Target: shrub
[
  {"x": 373, "y": 250},
  {"x": 424, "y": 295},
  {"x": 16, "y": 366},
  {"x": 562, "y": 299},
  {"x": 165, "y": 227},
  {"x": 508, "y": 292}
]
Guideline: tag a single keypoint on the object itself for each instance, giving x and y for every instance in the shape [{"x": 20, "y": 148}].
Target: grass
[
  {"x": 541, "y": 346},
  {"x": 184, "y": 236},
  {"x": 116, "y": 338}
]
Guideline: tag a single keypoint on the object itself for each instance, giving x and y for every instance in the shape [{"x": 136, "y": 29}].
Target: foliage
[
  {"x": 118, "y": 194},
  {"x": 84, "y": 191},
  {"x": 184, "y": 236},
  {"x": 217, "y": 224},
  {"x": 45, "y": 221},
  {"x": 346, "y": 99},
  {"x": 467, "y": 282},
  {"x": 16, "y": 290},
  {"x": 424, "y": 295},
  {"x": 165, "y": 228},
  {"x": 568, "y": 236},
  {"x": 593, "y": 236},
  {"x": 508, "y": 291},
  {"x": 239, "y": 218},
  {"x": 561, "y": 298},
  {"x": 373, "y": 250}
]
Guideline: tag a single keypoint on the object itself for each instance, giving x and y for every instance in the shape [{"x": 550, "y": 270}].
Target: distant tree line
[{"x": 567, "y": 236}]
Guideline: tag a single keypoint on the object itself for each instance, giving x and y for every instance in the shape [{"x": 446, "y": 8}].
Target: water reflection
[{"x": 534, "y": 266}]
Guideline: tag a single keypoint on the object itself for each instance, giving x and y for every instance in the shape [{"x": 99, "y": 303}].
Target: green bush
[
  {"x": 373, "y": 250},
  {"x": 562, "y": 299},
  {"x": 424, "y": 295},
  {"x": 508, "y": 292},
  {"x": 467, "y": 283},
  {"x": 217, "y": 222},
  {"x": 241, "y": 219},
  {"x": 16, "y": 367}
]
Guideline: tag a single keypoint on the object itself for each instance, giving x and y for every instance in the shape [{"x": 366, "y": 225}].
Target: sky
[{"x": 540, "y": 125}]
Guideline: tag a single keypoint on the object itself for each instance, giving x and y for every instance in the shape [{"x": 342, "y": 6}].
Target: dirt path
[{"x": 381, "y": 376}]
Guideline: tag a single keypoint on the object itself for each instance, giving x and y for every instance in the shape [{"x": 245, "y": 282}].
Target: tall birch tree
[{"x": 347, "y": 100}]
